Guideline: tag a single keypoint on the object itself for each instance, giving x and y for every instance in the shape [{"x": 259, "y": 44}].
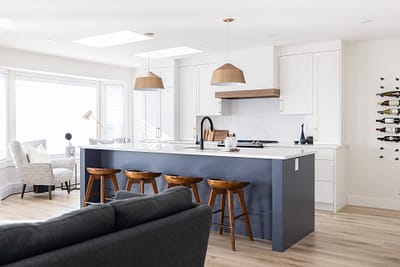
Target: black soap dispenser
[{"x": 302, "y": 137}]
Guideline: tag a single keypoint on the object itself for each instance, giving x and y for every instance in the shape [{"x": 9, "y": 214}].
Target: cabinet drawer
[
  {"x": 324, "y": 170},
  {"x": 322, "y": 153},
  {"x": 324, "y": 192},
  {"x": 327, "y": 154}
]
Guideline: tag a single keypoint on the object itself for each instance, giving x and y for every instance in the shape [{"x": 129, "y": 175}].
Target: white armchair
[{"x": 59, "y": 171}]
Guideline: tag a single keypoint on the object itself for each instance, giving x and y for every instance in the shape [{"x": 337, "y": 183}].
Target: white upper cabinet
[
  {"x": 296, "y": 84},
  {"x": 327, "y": 83},
  {"x": 155, "y": 110},
  {"x": 207, "y": 104},
  {"x": 187, "y": 103}
]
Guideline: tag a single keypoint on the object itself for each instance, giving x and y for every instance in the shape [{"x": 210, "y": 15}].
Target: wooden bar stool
[
  {"x": 100, "y": 174},
  {"x": 223, "y": 188},
  {"x": 188, "y": 181},
  {"x": 141, "y": 177}
]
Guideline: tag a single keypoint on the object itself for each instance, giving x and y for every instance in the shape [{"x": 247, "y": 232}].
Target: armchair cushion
[
  {"x": 62, "y": 175},
  {"x": 66, "y": 163}
]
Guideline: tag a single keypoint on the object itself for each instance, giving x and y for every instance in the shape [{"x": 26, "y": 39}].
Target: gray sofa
[{"x": 162, "y": 230}]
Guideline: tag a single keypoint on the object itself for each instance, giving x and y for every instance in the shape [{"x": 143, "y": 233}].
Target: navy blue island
[{"x": 280, "y": 197}]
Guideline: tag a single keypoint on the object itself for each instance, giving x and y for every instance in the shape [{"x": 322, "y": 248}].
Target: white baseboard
[
  {"x": 323, "y": 206},
  {"x": 373, "y": 202},
  {"x": 8, "y": 189}
]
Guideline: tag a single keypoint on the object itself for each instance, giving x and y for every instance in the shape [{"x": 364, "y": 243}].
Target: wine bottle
[
  {"x": 391, "y": 111},
  {"x": 390, "y": 138},
  {"x": 390, "y": 103},
  {"x": 390, "y": 93},
  {"x": 389, "y": 120},
  {"x": 389, "y": 129}
]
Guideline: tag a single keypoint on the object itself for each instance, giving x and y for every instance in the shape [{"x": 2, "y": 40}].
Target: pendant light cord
[{"x": 227, "y": 40}]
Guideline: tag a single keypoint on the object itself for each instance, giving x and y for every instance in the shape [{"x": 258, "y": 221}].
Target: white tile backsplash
[{"x": 260, "y": 119}]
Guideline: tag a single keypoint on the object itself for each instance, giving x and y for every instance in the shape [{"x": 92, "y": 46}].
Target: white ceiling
[{"x": 197, "y": 24}]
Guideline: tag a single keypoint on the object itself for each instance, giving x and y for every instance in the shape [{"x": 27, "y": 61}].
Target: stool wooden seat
[
  {"x": 141, "y": 177},
  {"x": 223, "y": 188},
  {"x": 188, "y": 181},
  {"x": 100, "y": 174}
]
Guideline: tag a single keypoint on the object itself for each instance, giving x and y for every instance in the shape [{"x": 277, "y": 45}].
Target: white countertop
[{"x": 185, "y": 149}]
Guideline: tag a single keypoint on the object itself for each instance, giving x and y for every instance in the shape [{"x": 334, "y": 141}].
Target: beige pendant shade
[
  {"x": 228, "y": 74},
  {"x": 149, "y": 81}
]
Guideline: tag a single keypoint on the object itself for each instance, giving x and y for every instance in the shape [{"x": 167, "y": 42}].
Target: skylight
[
  {"x": 112, "y": 39},
  {"x": 170, "y": 52},
  {"x": 6, "y": 23}
]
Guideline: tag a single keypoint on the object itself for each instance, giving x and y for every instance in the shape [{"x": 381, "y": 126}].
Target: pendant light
[
  {"x": 227, "y": 74},
  {"x": 149, "y": 81}
]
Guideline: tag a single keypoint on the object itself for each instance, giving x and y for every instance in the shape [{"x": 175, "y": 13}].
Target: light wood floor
[{"x": 354, "y": 236}]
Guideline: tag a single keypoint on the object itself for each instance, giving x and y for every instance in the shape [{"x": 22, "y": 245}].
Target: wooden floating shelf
[{"x": 242, "y": 94}]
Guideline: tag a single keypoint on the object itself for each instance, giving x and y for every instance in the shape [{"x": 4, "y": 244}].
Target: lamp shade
[
  {"x": 149, "y": 81},
  {"x": 87, "y": 115},
  {"x": 228, "y": 74}
]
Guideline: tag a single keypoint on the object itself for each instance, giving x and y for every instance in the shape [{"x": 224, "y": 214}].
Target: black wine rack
[{"x": 386, "y": 85}]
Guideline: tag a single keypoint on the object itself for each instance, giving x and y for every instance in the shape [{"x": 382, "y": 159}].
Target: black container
[
  {"x": 310, "y": 140},
  {"x": 302, "y": 137}
]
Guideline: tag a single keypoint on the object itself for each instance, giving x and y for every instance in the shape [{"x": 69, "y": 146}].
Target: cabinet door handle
[
  {"x": 281, "y": 104},
  {"x": 158, "y": 132},
  {"x": 315, "y": 134}
]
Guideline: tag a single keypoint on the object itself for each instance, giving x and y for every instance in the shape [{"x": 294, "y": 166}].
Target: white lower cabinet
[{"x": 330, "y": 177}]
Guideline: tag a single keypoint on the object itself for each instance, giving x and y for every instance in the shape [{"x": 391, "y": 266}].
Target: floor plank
[{"x": 355, "y": 236}]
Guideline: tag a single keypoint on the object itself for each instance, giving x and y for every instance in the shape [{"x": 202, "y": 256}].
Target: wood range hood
[{"x": 243, "y": 94}]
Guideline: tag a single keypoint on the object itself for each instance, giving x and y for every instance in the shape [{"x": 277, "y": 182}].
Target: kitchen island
[{"x": 280, "y": 197}]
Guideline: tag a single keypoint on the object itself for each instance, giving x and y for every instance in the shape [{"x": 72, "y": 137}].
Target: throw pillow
[{"x": 38, "y": 154}]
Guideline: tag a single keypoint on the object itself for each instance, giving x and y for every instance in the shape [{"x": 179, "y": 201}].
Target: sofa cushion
[
  {"x": 122, "y": 194},
  {"x": 24, "y": 240},
  {"x": 139, "y": 210}
]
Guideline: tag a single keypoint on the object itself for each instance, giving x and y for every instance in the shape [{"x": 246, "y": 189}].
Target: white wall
[
  {"x": 22, "y": 60},
  {"x": 372, "y": 181}
]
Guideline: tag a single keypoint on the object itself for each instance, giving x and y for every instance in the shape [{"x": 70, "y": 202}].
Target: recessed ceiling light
[
  {"x": 6, "y": 23},
  {"x": 170, "y": 52},
  {"x": 111, "y": 39},
  {"x": 364, "y": 21}
]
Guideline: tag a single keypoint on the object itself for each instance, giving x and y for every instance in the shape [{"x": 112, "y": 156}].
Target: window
[
  {"x": 113, "y": 108},
  {"x": 3, "y": 117},
  {"x": 48, "y": 108}
]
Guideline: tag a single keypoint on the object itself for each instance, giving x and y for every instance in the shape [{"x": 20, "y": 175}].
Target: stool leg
[
  {"x": 141, "y": 187},
  {"x": 195, "y": 193},
  {"x": 222, "y": 215},
  {"x": 88, "y": 190},
  {"x": 244, "y": 210},
  {"x": 211, "y": 200},
  {"x": 154, "y": 184},
  {"x": 129, "y": 185},
  {"x": 231, "y": 219},
  {"x": 115, "y": 182},
  {"x": 102, "y": 191}
]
